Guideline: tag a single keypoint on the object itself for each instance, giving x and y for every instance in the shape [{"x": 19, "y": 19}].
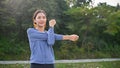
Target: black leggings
[{"x": 34, "y": 65}]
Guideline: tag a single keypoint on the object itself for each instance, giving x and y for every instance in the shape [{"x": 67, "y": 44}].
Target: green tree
[
  {"x": 78, "y": 3},
  {"x": 16, "y": 17},
  {"x": 113, "y": 27},
  {"x": 23, "y": 11},
  {"x": 6, "y": 20},
  {"x": 97, "y": 27}
]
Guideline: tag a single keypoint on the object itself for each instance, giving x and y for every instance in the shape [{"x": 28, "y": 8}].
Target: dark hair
[
  {"x": 35, "y": 14},
  {"x": 38, "y": 11}
]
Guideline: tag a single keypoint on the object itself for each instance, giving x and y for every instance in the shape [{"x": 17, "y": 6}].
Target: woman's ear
[{"x": 34, "y": 24}]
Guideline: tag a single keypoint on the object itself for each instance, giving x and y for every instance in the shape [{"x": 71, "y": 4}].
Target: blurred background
[{"x": 97, "y": 24}]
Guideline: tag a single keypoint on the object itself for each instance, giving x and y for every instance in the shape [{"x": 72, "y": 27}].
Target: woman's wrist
[{"x": 66, "y": 37}]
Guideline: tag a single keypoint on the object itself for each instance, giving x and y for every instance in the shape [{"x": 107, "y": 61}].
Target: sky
[{"x": 110, "y": 2}]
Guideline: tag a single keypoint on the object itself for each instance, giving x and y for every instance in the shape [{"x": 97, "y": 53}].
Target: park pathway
[{"x": 65, "y": 61}]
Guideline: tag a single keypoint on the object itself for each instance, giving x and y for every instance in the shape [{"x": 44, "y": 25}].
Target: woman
[{"x": 41, "y": 41}]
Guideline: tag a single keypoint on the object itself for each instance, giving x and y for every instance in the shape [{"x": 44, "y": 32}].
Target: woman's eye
[
  {"x": 44, "y": 17},
  {"x": 39, "y": 17}
]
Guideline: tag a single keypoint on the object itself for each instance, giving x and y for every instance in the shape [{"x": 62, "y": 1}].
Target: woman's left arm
[
  {"x": 51, "y": 37},
  {"x": 58, "y": 36}
]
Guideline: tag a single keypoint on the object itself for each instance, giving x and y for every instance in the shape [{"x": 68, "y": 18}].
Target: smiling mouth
[{"x": 41, "y": 23}]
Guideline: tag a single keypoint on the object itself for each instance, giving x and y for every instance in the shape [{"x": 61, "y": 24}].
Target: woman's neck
[{"x": 41, "y": 29}]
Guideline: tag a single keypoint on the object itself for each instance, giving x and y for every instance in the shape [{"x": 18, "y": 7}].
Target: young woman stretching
[{"x": 41, "y": 41}]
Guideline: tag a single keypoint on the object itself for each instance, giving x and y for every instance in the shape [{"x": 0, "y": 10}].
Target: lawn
[{"x": 114, "y": 64}]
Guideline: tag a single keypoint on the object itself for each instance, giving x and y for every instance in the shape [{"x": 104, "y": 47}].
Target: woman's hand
[
  {"x": 52, "y": 23},
  {"x": 73, "y": 37}
]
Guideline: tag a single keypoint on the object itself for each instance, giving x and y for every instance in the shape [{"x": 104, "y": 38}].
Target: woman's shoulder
[{"x": 30, "y": 29}]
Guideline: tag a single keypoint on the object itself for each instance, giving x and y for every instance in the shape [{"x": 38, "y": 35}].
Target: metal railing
[{"x": 65, "y": 61}]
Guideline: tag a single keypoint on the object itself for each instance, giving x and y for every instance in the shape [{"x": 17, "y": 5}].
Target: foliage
[
  {"x": 78, "y": 3},
  {"x": 98, "y": 28},
  {"x": 12, "y": 49}
]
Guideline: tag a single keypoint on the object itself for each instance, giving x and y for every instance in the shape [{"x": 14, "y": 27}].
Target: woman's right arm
[
  {"x": 71, "y": 37},
  {"x": 34, "y": 34},
  {"x": 62, "y": 37},
  {"x": 66, "y": 37}
]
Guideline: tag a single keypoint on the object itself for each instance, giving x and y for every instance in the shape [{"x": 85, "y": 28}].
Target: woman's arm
[
  {"x": 58, "y": 36},
  {"x": 71, "y": 37},
  {"x": 66, "y": 37},
  {"x": 51, "y": 37},
  {"x": 34, "y": 34}
]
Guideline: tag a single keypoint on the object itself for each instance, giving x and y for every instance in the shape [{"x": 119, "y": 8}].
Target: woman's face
[{"x": 40, "y": 19}]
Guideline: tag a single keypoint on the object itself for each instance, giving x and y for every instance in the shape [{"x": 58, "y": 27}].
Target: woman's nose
[{"x": 41, "y": 19}]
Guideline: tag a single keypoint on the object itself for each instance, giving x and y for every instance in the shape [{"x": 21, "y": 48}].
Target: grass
[{"x": 113, "y": 64}]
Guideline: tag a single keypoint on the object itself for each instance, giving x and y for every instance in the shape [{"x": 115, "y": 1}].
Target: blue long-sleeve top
[{"x": 41, "y": 45}]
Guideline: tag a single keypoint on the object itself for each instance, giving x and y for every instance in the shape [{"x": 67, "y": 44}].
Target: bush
[{"x": 11, "y": 50}]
